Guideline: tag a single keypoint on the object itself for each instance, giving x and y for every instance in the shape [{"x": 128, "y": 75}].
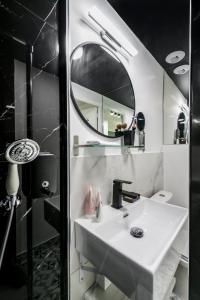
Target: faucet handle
[{"x": 121, "y": 181}]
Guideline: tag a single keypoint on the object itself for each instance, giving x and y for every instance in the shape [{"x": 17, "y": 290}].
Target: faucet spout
[
  {"x": 119, "y": 194},
  {"x": 130, "y": 196}
]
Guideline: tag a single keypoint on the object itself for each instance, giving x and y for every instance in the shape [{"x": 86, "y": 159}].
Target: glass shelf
[
  {"x": 77, "y": 146},
  {"x": 106, "y": 145}
]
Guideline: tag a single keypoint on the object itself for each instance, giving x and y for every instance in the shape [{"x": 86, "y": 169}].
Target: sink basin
[{"x": 141, "y": 267}]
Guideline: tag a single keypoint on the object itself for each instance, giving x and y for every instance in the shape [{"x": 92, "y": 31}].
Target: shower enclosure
[{"x": 33, "y": 105}]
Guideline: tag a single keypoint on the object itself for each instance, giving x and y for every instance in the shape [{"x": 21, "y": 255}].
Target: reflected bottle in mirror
[
  {"x": 118, "y": 130},
  {"x": 128, "y": 135}
]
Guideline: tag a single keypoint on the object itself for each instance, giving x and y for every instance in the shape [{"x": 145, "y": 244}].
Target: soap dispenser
[
  {"x": 99, "y": 207},
  {"x": 89, "y": 207}
]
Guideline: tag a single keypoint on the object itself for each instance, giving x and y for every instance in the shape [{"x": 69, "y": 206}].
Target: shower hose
[{"x": 9, "y": 222}]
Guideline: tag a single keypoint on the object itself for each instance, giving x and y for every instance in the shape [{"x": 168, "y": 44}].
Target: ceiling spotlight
[
  {"x": 118, "y": 115},
  {"x": 181, "y": 70},
  {"x": 111, "y": 113},
  {"x": 175, "y": 57}
]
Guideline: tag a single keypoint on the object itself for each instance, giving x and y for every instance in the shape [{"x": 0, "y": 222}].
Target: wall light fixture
[{"x": 109, "y": 33}]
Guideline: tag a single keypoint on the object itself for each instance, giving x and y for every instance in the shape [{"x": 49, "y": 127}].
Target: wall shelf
[{"x": 77, "y": 146}]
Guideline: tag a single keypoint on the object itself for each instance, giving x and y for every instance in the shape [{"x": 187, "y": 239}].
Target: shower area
[{"x": 32, "y": 252}]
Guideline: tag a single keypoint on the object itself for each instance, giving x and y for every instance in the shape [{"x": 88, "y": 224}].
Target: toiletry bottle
[
  {"x": 133, "y": 133},
  {"x": 99, "y": 207},
  {"x": 118, "y": 132},
  {"x": 89, "y": 207}
]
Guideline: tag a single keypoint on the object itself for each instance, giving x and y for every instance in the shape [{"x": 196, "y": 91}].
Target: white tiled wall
[
  {"x": 176, "y": 173},
  {"x": 145, "y": 73},
  {"x": 173, "y": 101},
  {"x": 176, "y": 180},
  {"x": 145, "y": 170},
  {"x": 99, "y": 167}
]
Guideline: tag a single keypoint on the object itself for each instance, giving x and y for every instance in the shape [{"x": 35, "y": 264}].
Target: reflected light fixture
[
  {"x": 78, "y": 54},
  {"x": 184, "y": 107},
  {"x": 115, "y": 114},
  {"x": 57, "y": 48},
  {"x": 110, "y": 34}
]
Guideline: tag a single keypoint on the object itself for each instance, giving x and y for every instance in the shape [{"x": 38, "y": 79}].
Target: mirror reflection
[
  {"x": 181, "y": 131},
  {"x": 101, "y": 89},
  {"x": 176, "y": 114}
]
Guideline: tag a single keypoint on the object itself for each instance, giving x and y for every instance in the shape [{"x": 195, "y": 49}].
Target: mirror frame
[{"x": 72, "y": 94}]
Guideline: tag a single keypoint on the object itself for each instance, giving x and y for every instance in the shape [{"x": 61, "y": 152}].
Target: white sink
[{"x": 141, "y": 267}]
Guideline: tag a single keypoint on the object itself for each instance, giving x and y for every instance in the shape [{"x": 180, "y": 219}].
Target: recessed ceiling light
[
  {"x": 175, "y": 57},
  {"x": 181, "y": 70}
]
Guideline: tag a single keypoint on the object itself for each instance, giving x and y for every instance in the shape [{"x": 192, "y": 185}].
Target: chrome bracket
[
  {"x": 10, "y": 201},
  {"x": 84, "y": 268},
  {"x": 76, "y": 145}
]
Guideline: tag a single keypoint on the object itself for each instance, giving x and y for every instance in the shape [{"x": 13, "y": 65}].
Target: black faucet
[{"x": 119, "y": 194}]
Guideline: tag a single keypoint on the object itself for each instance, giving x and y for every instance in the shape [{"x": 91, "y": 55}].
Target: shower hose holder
[{"x": 7, "y": 203}]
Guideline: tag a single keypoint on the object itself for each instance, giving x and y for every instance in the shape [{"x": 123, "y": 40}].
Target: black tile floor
[
  {"x": 46, "y": 274},
  {"x": 46, "y": 271}
]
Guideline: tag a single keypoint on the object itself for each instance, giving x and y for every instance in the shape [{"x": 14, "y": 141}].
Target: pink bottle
[{"x": 89, "y": 207}]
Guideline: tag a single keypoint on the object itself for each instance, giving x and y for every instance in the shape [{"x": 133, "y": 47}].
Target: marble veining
[
  {"x": 144, "y": 170},
  {"x": 10, "y": 11},
  {"x": 34, "y": 23}
]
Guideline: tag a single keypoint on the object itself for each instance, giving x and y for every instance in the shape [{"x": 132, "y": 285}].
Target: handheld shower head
[
  {"x": 18, "y": 153},
  {"x": 22, "y": 151}
]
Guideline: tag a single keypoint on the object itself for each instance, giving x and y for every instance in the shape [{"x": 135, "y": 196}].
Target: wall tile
[{"x": 145, "y": 170}]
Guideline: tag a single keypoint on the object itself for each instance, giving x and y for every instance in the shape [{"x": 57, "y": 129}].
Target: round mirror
[{"x": 101, "y": 89}]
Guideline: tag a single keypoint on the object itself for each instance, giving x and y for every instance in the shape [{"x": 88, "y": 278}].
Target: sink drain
[{"x": 137, "y": 232}]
